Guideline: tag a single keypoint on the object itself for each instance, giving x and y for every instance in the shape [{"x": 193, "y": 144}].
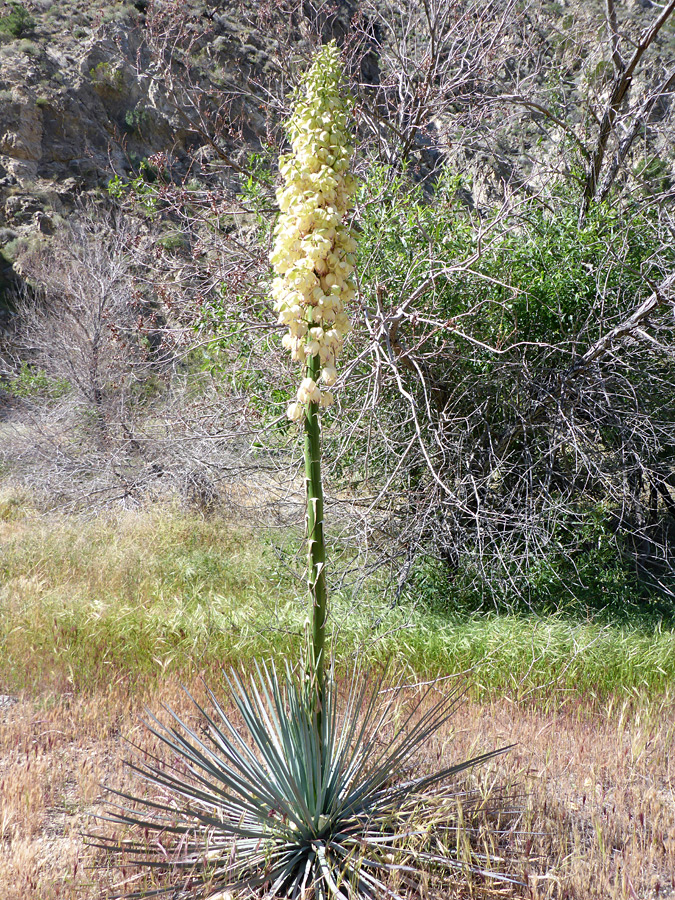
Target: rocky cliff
[{"x": 81, "y": 99}]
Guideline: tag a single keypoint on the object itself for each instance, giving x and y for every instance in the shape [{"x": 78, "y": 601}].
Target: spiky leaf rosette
[
  {"x": 312, "y": 255},
  {"x": 268, "y": 804}
]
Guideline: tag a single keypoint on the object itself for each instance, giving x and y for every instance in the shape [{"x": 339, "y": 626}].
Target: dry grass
[{"x": 597, "y": 788}]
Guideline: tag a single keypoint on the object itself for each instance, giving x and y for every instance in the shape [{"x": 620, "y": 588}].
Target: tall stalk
[
  {"x": 313, "y": 261},
  {"x": 316, "y": 548}
]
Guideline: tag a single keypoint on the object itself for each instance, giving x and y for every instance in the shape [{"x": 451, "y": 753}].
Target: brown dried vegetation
[{"x": 596, "y": 786}]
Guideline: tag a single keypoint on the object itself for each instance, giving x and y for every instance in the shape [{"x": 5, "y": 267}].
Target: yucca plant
[
  {"x": 290, "y": 795},
  {"x": 265, "y": 802}
]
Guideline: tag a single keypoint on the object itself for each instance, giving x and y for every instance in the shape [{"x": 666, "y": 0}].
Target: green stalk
[{"x": 316, "y": 574}]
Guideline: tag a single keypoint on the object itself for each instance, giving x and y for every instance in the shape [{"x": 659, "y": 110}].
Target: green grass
[
  {"x": 85, "y": 602},
  {"x": 540, "y": 657}
]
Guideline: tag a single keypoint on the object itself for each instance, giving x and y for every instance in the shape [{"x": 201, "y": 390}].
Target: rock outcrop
[{"x": 81, "y": 99}]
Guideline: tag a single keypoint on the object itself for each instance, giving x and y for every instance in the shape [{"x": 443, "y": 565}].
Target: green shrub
[
  {"x": 174, "y": 241},
  {"x": 136, "y": 119},
  {"x": 105, "y": 77},
  {"x": 139, "y": 189},
  {"x": 472, "y": 388},
  {"x": 18, "y": 21},
  {"x": 118, "y": 13},
  {"x": 30, "y": 48}
]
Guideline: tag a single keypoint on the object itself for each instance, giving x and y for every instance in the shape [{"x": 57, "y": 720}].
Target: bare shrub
[{"x": 84, "y": 320}]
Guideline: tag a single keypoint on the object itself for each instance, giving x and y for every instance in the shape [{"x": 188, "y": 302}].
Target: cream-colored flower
[
  {"x": 329, "y": 375},
  {"x": 309, "y": 391},
  {"x": 313, "y": 249}
]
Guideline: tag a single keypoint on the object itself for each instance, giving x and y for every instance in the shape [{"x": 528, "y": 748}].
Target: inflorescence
[{"x": 313, "y": 250}]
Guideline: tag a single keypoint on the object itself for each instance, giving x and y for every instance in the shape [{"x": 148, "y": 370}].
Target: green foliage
[
  {"x": 586, "y": 575},
  {"x": 536, "y": 275},
  {"x": 105, "y": 77},
  {"x": 244, "y": 350},
  {"x": 33, "y": 383},
  {"x": 119, "y": 12},
  {"x": 257, "y": 189},
  {"x": 174, "y": 241},
  {"x": 137, "y": 119},
  {"x": 18, "y": 21},
  {"x": 30, "y": 48},
  {"x": 516, "y": 297},
  {"x": 655, "y": 173},
  {"x": 260, "y": 168},
  {"x": 11, "y": 249},
  {"x": 241, "y": 356},
  {"x": 141, "y": 189},
  {"x": 555, "y": 270}
]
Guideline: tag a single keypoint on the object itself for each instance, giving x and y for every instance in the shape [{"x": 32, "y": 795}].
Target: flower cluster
[{"x": 313, "y": 249}]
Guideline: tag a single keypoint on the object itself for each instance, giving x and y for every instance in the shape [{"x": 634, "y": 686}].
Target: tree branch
[
  {"x": 603, "y": 344},
  {"x": 638, "y": 122},
  {"x": 618, "y": 93},
  {"x": 613, "y": 29}
]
